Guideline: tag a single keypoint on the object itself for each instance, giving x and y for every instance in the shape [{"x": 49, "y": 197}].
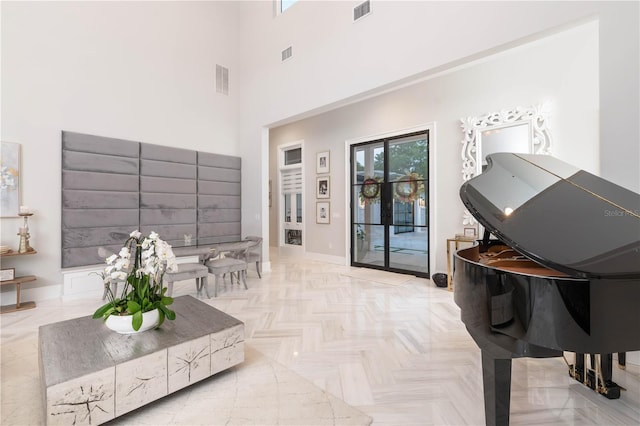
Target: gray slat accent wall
[
  {"x": 166, "y": 173},
  {"x": 100, "y": 195},
  {"x": 219, "y": 212},
  {"x": 111, "y": 187}
]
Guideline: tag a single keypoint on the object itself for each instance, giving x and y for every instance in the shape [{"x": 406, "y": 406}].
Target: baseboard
[{"x": 337, "y": 260}]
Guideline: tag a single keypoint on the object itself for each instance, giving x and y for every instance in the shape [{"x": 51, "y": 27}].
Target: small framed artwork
[
  {"x": 322, "y": 162},
  {"x": 470, "y": 232},
  {"x": 322, "y": 187},
  {"x": 10, "y": 196},
  {"x": 7, "y": 274},
  {"x": 322, "y": 212}
]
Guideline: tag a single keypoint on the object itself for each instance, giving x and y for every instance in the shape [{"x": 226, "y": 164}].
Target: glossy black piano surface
[{"x": 563, "y": 273}]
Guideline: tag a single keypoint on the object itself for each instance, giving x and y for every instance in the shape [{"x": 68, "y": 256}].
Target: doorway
[
  {"x": 390, "y": 204},
  {"x": 291, "y": 190}
]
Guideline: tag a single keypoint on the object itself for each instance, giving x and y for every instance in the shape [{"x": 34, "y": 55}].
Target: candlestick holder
[{"x": 24, "y": 246}]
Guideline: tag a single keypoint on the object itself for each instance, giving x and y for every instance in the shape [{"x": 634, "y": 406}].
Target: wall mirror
[{"x": 520, "y": 130}]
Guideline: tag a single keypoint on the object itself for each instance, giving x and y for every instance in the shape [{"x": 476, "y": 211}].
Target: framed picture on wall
[
  {"x": 7, "y": 274},
  {"x": 470, "y": 232},
  {"x": 322, "y": 187},
  {"x": 10, "y": 179},
  {"x": 322, "y": 212},
  {"x": 322, "y": 162}
]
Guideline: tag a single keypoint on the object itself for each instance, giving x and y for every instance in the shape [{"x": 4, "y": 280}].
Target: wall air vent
[
  {"x": 361, "y": 10},
  {"x": 222, "y": 80},
  {"x": 287, "y": 53}
]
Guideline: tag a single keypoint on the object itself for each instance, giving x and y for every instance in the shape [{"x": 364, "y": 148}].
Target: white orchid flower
[
  {"x": 111, "y": 259},
  {"x": 153, "y": 235},
  {"x": 136, "y": 234},
  {"x": 149, "y": 270},
  {"x": 119, "y": 276},
  {"x": 124, "y": 252}
]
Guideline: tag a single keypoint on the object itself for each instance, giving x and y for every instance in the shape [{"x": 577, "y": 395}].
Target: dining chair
[{"x": 253, "y": 254}]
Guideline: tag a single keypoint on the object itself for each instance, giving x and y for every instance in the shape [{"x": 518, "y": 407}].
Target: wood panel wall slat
[
  {"x": 169, "y": 154},
  {"x": 94, "y": 237},
  {"x": 72, "y": 141},
  {"x": 164, "y": 186},
  {"x": 90, "y": 162},
  {"x": 76, "y": 199},
  {"x": 72, "y": 179},
  {"x": 167, "y": 185},
  {"x": 219, "y": 215},
  {"x": 218, "y": 202},
  {"x": 93, "y": 218},
  {"x": 158, "y": 168},
  {"x": 219, "y": 190},
  {"x": 167, "y": 216},
  {"x": 219, "y": 161},
  {"x": 111, "y": 187}
]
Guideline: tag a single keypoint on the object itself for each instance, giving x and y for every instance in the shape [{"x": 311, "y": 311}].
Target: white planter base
[{"x": 123, "y": 324}]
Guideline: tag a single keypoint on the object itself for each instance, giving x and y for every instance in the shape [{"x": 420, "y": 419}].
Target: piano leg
[
  {"x": 496, "y": 378},
  {"x": 610, "y": 389},
  {"x": 622, "y": 360}
]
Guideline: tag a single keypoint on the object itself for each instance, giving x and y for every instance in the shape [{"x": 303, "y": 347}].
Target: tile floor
[{"x": 389, "y": 345}]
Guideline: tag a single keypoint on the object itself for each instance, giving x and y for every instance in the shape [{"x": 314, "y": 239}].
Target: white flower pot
[{"x": 123, "y": 323}]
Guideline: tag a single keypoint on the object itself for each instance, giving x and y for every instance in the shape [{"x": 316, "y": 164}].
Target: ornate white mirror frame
[{"x": 535, "y": 117}]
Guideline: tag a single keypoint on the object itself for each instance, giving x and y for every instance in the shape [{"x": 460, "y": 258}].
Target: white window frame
[
  {"x": 277, "y": 6},
  {"x": 282, "y": 167}
]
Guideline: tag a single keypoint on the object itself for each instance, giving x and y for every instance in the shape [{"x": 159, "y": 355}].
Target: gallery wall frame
[
  {"x": 323, "y": 187},
  {"x": 7, "y": 274},
  {"x": 10, "y": 185},
  {"x": 323, "y": 213},
  {"x": 322, "y": 162}
]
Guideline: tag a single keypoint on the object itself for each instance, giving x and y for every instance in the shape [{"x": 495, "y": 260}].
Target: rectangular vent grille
[
  {"x": 222, "y": 80},
  {"x": 287, "y": 53},
  {"x": 361, "y": 10}
]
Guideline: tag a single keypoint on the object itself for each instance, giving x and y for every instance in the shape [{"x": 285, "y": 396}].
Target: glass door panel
[
  {"x": 408, "y": 171},
  {"x": 389, "y": 202},
  {"x": 368, "y": 230}
]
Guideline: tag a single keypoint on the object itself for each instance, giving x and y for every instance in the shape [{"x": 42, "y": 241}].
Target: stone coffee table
[{"x": 91, "y": 374}]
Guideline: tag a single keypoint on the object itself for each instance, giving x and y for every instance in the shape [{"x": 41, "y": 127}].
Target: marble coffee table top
[{"x": 77, "y": 347}]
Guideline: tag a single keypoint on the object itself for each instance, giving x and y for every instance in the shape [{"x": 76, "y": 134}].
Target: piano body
[{"x": 563, "y": 274}]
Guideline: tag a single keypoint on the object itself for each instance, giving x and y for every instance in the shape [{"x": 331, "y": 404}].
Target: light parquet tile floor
[{"x": 392, "y": 346}]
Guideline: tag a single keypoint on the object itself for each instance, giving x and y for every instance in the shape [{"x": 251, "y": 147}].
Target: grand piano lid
[{"x": 557, "y": 215}]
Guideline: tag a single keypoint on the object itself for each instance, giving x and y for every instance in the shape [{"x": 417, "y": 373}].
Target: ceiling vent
[
  {"x": 287, "y": 53},
  {"x": 361, "y": 10},
  {"x": 222, "y": 80}
]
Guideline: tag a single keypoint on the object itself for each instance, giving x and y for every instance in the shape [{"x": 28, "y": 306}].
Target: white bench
[{"x": 188, "y": 271}]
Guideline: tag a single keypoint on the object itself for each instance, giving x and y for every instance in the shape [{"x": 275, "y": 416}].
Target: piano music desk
[{"x": 457, "y": 240}]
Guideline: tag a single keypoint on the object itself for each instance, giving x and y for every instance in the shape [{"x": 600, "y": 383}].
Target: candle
[
  {"x": 24, "y": 209},
  {"x": 23, "y": 230}
]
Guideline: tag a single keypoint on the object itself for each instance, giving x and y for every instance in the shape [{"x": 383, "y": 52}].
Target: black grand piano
[{"x": 561, "y": 274}]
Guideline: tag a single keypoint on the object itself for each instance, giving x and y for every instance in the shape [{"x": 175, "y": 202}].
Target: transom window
[{"x": 286, "y": 4}]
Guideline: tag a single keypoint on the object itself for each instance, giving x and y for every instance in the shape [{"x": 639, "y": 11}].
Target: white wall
[
  {"x": 560, "y": 69},
  {"x": 336, "y": 62},
  {"x": 142, "y": 71}
]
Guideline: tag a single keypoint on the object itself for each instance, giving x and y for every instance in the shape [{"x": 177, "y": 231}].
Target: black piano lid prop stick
[{"x": 573, "y": 284}]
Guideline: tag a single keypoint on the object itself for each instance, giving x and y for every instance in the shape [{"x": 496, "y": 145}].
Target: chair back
[{"x": 256, "y": 247}]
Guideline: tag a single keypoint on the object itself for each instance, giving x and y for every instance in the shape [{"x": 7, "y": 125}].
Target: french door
[{"x": 389, "y": 204}]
